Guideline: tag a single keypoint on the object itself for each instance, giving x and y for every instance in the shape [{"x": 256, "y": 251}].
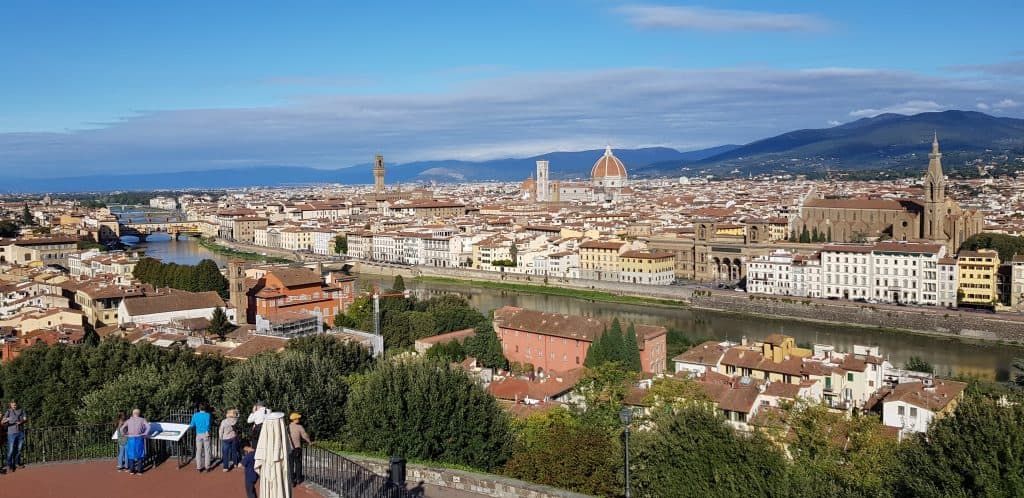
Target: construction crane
[{"x": 376, "y": 305}]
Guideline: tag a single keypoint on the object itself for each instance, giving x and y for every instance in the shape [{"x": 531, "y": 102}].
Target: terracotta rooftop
[{"x": 177, "y": 301}]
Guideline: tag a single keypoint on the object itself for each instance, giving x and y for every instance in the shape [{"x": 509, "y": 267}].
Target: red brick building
[
  {"x": 556, "y": 342},
  {"x": 302, "y": 290}
]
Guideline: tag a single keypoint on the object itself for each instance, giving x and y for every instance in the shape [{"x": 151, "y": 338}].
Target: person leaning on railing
[
  {"x": 122, "y": 441},
  {"x": 136, "y": 429},
  {"x": 229, "y": 440}
]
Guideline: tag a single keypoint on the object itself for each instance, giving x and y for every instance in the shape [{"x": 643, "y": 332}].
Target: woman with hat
[{"x": 296, "y": 434}]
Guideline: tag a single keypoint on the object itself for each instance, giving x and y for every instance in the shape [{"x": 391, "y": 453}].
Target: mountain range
[{"x": 883, "y": 142}]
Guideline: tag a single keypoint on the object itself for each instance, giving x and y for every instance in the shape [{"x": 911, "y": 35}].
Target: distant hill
[
  {"x": 563, "y": 165},
  {"x": 887, "y": 141}
]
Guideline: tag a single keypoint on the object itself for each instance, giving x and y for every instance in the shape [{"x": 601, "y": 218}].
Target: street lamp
[{"x": 626, "y": 416}]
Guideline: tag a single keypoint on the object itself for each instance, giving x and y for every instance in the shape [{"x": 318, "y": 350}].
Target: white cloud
[
  {"x": 1005, "y": 104},
  {"x": 511, "y": 115},
  {"x": 981, "y": 105},
  {"x": 703, "y": 19},
  {"x": 908, "y": 107},
  {"x": 833, "y": 122}
]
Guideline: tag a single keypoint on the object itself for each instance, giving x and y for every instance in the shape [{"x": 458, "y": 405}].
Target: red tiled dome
[{"x": 608, "y": 166}]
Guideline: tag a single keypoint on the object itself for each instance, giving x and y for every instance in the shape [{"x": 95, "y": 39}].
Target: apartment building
[
  {"x": 650, "y": 267},
  {"x": 599, "y": 259},
  {"x": 977, "y": 276}
]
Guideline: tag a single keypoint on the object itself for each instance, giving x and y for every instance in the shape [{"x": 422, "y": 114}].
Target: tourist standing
[
  {"x": 122, "y": 440},
  {"x": 249, "y": 464},
  {"x": 229, "y": 440},
  {"x": 201, "y": 422},
  {"x": 136, "y": 429},
  {"x": 14, "y": 419},
  {"x": 297, "y": 434},
  {"x": 256, "y": 418}
]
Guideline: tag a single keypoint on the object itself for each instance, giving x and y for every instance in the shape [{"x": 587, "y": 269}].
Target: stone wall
[
  {"x": 938, "y": 321},
  {"x": 671, "y": 292},
  {"x": 482, "y": 484}
]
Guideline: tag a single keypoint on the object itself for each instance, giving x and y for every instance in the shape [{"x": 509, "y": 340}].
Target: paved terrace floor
[{"x": 100, "y": 479}]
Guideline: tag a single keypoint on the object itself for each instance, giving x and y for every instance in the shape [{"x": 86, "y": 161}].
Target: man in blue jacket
[{"x": 201, "y": 421}]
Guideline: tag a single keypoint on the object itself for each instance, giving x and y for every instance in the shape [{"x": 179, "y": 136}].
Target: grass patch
[
  {"x": 214, "y": 247},
  {"x": 592, "y": 295}
]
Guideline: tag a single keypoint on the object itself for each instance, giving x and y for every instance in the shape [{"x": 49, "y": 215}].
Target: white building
[
  {"x": 846, "y": 271},
  {"x": 169, "y": 308},
  {"x": 913, "y": 406},
  {"x": 166, "y": 203},
  {"x": 785, "y": 273}
]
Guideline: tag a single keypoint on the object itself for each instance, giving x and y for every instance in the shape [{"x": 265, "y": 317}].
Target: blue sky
[{"x": 147, "y": 86}]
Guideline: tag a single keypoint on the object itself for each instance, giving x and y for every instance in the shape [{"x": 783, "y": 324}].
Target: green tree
[
  {"x": 1006, "y": 245},
  {"x": 398, "y": 285},
  {"x": 977, "y": 452},
  {"x": 485, "y": 346},
  {"x": 1018, "y": 367},
  {"x": 692, "y": 452},
  {"x": 343, "y": 320},
  {"x": 348, "y": 356},
  {"x": 805, "y": 236},
  {"x": 917, "y": 364},
  {"x": 513, "y": 252},
  {"x": 554, "y": 448},
  {"x": 451, "y": 352},
  {"x": 9, "y": 229},
  {"x": 427, "y": 410},
  {"x": 293, "y": 380},
  {"x": 219, "y": 324},
  {"x": 631, "y": 359},
  {"x": 341, "y": 244},
  {"x": 26, "y": 216},
  {"x": 602, "y": 391},
  {"x": 597, "y": 353}
]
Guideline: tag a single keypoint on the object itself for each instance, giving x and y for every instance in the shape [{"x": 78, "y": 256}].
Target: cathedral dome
[{"x": 608, "y": 167}]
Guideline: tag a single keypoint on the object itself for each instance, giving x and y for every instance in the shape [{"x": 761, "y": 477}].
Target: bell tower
[
  {"x": 934, "y": 196},
  {"x": 378, "y": 174},
  {"x": 238, "y": 294}
]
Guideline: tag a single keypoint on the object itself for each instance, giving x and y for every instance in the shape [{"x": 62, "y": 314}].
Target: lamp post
[{"x": 626, "y": 416}]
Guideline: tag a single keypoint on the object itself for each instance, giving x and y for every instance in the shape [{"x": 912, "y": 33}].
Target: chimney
[{"x": 743, "y": 341}]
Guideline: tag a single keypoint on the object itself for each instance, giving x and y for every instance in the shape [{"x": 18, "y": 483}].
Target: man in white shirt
[{"x": 256, "y": 418}]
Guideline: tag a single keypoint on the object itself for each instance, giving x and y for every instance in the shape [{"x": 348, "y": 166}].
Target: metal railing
[
  {"x": 80, "y": 442},
  {"x": 347, "y": 478}
]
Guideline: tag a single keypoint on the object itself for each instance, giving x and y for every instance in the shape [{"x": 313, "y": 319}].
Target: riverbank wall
[
  {"x": 667, "y": 292},
  {"x": 937, "y": 321},
  {"x": 932, "y": 321}
]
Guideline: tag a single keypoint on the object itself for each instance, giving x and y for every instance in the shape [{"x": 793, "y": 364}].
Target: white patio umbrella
[{"x": 272, "y": 458}]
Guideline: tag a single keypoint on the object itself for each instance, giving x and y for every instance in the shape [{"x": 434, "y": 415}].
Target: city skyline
[{"x": 120, "y": 88}]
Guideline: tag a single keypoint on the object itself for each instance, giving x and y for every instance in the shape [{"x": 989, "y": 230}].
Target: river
[
  {"x": 949, "y": 356},
  {"x": 184, "y": 250}
]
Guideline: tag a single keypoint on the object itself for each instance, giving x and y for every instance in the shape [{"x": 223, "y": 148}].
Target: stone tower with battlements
[{"x": 378, "y": 174}]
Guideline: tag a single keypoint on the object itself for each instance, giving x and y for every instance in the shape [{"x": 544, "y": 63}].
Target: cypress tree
[
  {"x": 632, "y": 348},
  {"x": 805, "y": 236},
  {"x": 618, "y": 343},
  {"x": 596, "y": 354}
]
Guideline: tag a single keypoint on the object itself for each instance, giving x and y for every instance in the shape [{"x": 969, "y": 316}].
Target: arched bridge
[{"x": 172, "y": 228}]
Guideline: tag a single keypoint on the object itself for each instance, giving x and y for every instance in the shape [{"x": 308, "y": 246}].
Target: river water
[{"x": 948, "y": 355}]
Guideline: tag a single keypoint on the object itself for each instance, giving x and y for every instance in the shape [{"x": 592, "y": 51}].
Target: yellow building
[
  {"x": 977, "y": 274},
  {"x": 599, "y": 259},
  {"x": 647, "y": 267},
  {"x": 777, "y": 359}
]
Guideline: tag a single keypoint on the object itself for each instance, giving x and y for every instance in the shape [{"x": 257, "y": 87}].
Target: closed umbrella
[{"x": 272, "y": 458}]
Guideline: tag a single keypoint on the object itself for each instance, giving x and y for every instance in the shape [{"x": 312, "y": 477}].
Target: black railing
[
  {"x": 81, "y": 442},
  {"x": 347, "y": 478}
]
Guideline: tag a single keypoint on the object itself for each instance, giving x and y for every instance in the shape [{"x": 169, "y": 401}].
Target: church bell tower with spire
[{"x": 935, "y": 196}]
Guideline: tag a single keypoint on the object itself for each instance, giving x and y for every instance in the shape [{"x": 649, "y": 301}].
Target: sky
[{"x": 130, "y": 87}]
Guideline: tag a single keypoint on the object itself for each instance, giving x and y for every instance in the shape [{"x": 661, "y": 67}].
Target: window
[
  {"x": 849, "y": 376},
  {"x": 913, "y": 412}
]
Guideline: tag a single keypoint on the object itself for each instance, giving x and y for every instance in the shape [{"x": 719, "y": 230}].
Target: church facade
[{"x": 935, "y": 218}]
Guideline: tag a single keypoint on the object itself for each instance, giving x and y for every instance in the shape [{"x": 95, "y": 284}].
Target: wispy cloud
[
  {"x": 1008, "y": 68},
  {"x": 908, "y": 107},
  {"x": 704, "y": 19},
  {"x": 512, "y": 115}
]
